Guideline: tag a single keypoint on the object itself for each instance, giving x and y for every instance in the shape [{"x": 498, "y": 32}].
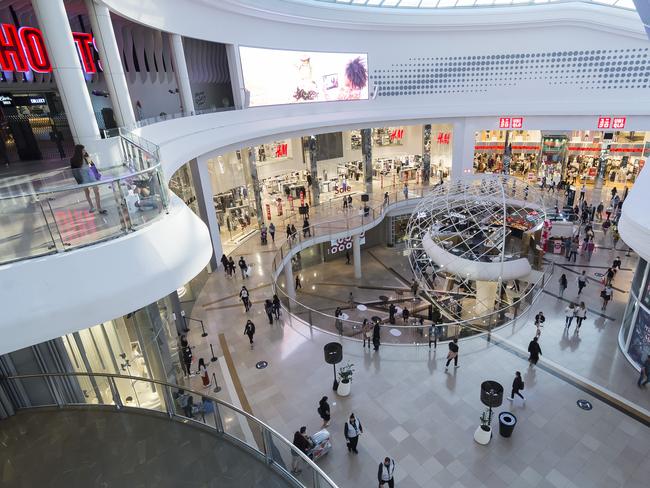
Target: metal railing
[
  {"x": 50, "y": 219},
  {"x": 179, "y": 115},
  {"x": 178, "y": 403},
  {"x": 363, "y": 217}
]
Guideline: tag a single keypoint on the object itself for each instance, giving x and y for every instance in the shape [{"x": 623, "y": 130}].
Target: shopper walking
[
  {"x": 644, "y": 373},
  {"x": 268, "y": 308},
  {"x": 569, "y": 313},
  {"x": 414, "y": 288},
  {"x": 288, "y": 233},
  {"x": 85, "y": 172},
  {"x": 599, "y": 211},
  {"x": 187, "y": 357},
  {"x": 606, "y": 225},
  {"x": 582, "y": 281},
  {"x": 224, "y": 263},
  {"x": 366, "y": 331},
  {"x": 590, "y": 248},
  {"x": 298, "y": 283},
  {"x": 352, "y": 430},
  {"x": 276, "y": 307},
  {"x": 386, "y": 472},
  {"x": 272, "y": 231},
  {"x": 243, "y": 267},
  {"x": 347, "y": 256},
  {"x": 534, "y": 350},
  {"x": 539, "y": 323},
  {"x": 249, "y": 330},
  {"x": 616, "y": 264},
  {"x": 324, "y": 411},
  {"x": 203, "y": 372},
  {"x": 517, "y": 386},
  {"x": 406, "y": 191},
  {"x": 245, "y": 298},
  {"x": 231, "y": 266},
  {"x": 294, "y": 232},
  {"x": 303, "y": 443},
  {"x": 452, "y": 354},
  {"x": 606, "y": 295},
  {"x": 563, "y": 284},
  {"x": 338, "y": 323},
  {"x": 574, "y": 249},
  {"x": 392, "y": 310},
  {"x": 581, "y": 314},
  {"x": 609, "y": 276},
  {"x": 376, "y": 336},
  {"x": 405, "y": 315},
  {"x": 434, "y": 334}
]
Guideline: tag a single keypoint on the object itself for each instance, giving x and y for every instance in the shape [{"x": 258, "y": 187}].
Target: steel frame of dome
[
  {"x": 485, "y": 199},
  {"x": 452, "y": 4}
]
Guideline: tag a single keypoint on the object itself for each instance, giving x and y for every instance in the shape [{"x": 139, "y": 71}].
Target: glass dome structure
[
  {"x": 475, "y": 245},
  {"x": 440, "y": 4}
]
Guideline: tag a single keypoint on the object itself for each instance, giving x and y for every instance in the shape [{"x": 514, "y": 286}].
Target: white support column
[
  {"x": 288, "y": 278},
  {"x": 204, "y": 194},
  {"x": 462, "y": 160},
  {"x": 53, "y": 21},
  {"x": 182, "y": 76},
  {"x": 109, "y": 53},
  {"x": 356, "y": 254}
]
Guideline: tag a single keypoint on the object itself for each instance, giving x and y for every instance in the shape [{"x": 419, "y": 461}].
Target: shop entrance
[{"x": 33, "y": 127}]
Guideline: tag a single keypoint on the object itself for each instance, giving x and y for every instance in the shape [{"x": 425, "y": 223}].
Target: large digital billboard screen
[{"x": 276, "y": 77}]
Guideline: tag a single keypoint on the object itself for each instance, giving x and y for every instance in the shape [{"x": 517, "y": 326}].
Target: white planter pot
[
  {"x": 344, "y": 388},
  {"x": 482, "y": 436}
]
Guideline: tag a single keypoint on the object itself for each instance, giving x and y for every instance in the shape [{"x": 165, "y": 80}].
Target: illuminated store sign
[
  {"x": 275, "y": 77},
  {"x": 511, "y": 122},
  {"x": 611, "y": 122},
  {"x": 24, "y": 49}
]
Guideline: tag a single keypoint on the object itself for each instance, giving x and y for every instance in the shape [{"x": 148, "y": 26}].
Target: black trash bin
[{"x": 507, "y": 422}]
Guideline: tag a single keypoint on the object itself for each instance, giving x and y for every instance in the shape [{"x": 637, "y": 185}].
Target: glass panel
[
  {"x": 238, "y": 426},
  {"x": 24, "y": 230},
  {"x": 627, "y": 319},
  {"x": 74, "y": 222},
  {"x": 640, "y": 342},
  {"x": 638, "y": 277}
]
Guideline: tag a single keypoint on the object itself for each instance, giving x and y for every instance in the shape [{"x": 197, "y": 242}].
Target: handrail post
[
  {"x": 218, "y": 422},
  {"x": 115, "y": 393},
  {"x": 316, "y": 479},
  {"x": 169, "y": 401},
  {"x": 268, "y": 442}
]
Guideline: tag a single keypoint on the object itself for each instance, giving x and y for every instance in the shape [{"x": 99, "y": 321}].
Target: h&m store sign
[{"x": 24, "y": 49}]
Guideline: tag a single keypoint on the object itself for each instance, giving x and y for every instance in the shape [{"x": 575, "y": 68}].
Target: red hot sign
[
  {"x": 611, "y": 122},
  {"x": 24, "y": 49},
  {"x": 511, "y": 122}
]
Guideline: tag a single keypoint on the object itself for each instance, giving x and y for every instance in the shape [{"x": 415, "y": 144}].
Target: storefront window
[
  {"x": 627, "y": 319},
  {"x": 639, "y": 274},
  {"x": 640, "y": 342}
]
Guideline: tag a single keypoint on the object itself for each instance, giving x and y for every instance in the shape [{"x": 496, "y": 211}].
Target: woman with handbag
[
  {"x": 203, "y": 372},
  {"x": 84, "y": 172}
]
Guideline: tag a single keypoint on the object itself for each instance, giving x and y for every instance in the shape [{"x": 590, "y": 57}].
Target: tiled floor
[
  {"x": 422, "y": 416},
  {"x": 102, "y": 448}
]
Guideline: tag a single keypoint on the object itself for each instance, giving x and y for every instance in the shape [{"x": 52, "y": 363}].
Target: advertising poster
[{"x": 277, "y": 77}]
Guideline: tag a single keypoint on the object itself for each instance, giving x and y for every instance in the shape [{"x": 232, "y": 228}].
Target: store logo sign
[
  {"x": 282, "y": 150},
  {"x": 5, "y": 100},
  {"x": 511, "y": 122},
  {"x": 23, "y": 50},
  {"x": 443, "y": 137},
  {"x": 396, "y": 134},
  {"x": 611, "y": 122}
]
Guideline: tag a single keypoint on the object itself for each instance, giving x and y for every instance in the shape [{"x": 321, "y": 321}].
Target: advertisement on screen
[{"x": 275, "y": 77}]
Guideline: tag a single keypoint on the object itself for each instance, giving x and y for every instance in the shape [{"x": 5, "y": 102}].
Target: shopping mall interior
[{"x": 234, "y": 234}]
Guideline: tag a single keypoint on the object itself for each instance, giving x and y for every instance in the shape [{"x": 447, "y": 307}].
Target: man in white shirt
[
  {"x": 385, "y": 473},
  {"x": 352, "y": 430}
]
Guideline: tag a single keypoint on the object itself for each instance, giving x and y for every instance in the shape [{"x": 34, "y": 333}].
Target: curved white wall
[
  {"x": 634, "y": 224},
  {"x": 54, "y": 295}
]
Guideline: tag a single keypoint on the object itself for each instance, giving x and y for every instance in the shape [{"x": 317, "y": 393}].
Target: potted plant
[
  {"x": 345, "y": 375},
  {"x": 483, "y": 433}
]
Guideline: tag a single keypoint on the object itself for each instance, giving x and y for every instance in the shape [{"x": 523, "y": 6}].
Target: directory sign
[{"x": 277, "y": 77}]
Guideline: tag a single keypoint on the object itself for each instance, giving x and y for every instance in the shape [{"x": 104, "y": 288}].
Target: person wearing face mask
[
  {"x": 352, "y": 430},
  {"x": 385, "y": 473}
]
